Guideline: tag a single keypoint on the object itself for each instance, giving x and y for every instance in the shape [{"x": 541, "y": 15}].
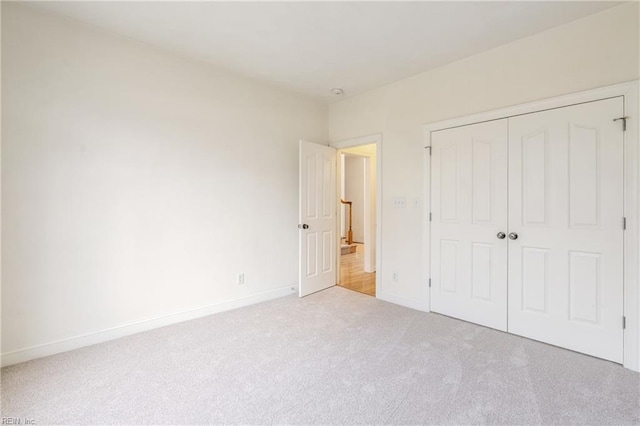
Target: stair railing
[{"x": 350, "y": 232}]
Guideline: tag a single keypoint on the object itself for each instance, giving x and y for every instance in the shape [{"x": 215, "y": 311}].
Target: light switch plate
[{"x": 399, "y": 202}]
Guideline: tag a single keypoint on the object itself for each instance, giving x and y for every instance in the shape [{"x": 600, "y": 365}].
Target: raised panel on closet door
[
  {"x": 469, "y": 209},
  {"x": 566, "y": 207}
]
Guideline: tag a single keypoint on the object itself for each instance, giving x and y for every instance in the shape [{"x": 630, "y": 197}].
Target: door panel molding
[{"x": 629, "y": 92}]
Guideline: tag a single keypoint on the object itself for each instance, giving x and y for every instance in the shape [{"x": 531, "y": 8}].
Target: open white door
[{"x": 317, "y": 213}]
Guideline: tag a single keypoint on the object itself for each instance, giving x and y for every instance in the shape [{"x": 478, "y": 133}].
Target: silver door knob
[
  {"x": 513, "y": 236},
  {"x": 501, "y": 235}
]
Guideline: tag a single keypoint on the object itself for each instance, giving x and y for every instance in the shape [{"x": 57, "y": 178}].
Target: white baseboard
[
  {"x": 419, "y": 305},
  {"x": 76, "y": 342}
]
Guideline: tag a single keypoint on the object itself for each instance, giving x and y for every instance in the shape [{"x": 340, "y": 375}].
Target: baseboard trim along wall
[
  {"x": 419, "y": 305},
  {"x": 112, "y": 333}
]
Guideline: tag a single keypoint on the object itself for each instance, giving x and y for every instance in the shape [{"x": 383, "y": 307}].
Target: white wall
[
  {"x": 354, "y": 192},
  {"x": 592, "y": 52},
  {"x": 135, "y": 183}
]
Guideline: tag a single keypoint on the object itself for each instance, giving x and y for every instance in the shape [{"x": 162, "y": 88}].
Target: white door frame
[
  {"x": 629, "y": 91},
  {"x": 349, "y": 143}
]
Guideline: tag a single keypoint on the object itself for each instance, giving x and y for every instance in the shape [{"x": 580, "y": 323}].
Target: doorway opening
[{"x": 358, "y": 228}]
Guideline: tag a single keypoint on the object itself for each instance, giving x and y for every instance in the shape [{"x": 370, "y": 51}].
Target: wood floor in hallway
[{"x": 352, "y": 275}]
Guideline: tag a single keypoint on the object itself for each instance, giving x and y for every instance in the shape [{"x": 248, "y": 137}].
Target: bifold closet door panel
[
  {"x": 469, "y": 210},
  {"x": 566, "y": 207}
]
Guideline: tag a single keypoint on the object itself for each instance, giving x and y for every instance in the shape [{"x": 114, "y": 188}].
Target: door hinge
[
  {"x": 624, "y": 322},
  {"x": 428, "y": 148},
  {"x": 624, "y": 223},
  {"x": 430, "y": 216},
  {"x": 624, "y": 122},
  {"x": 429, "y": 282}
]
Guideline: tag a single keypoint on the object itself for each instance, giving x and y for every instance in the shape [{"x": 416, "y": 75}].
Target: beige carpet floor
[{"x": 335, "y": 357}]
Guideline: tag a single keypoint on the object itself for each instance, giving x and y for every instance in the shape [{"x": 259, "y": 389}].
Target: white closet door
[
  {"x": 566, "y": 207},
  {"x": 469, "y": 209}
]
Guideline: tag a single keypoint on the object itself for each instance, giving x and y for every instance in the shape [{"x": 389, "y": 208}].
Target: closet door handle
[
  {"x": 513, "y": 236},
  {"x": 501, "y": 235}
]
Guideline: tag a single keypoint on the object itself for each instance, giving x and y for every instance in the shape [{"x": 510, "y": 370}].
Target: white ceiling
[{"x": 311, "y": 47}]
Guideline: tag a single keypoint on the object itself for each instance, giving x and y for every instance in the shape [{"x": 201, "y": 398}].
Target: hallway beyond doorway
[{"x": 352, "y": 275}]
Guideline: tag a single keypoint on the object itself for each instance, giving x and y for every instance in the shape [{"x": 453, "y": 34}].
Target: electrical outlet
[
  {"x": 394, "y": 276},
  {"x": 240, "y": 278}
]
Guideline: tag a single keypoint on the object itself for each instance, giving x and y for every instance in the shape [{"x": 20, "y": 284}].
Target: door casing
[{"x": 631, "y": 274}]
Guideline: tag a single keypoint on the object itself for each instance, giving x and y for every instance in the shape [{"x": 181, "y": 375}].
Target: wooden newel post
[{"x": 350, "y": 232}]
